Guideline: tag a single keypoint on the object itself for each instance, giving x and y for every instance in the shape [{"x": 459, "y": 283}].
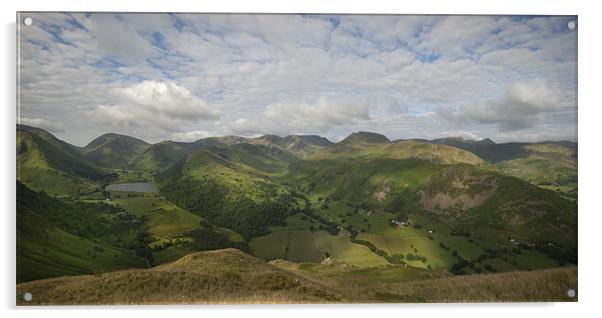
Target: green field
[
  {"x": 297, "y": 243},
  {"x": 164, "y": 219}
]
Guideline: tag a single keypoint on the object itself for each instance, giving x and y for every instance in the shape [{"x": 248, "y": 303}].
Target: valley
[{"x": 380, "y": 220}]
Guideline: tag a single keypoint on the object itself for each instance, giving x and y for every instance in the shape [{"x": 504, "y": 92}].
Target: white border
[{"x": 590, "y": 135}]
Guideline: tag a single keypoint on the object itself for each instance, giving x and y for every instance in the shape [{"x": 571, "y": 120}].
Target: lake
[{"x": 133, "y": 187}]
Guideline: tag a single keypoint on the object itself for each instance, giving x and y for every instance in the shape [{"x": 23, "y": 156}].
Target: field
[
  {"x": 164, "y": 219},
  {"x": 424, "y": 243},
  {"x": 298, "y": 244}
]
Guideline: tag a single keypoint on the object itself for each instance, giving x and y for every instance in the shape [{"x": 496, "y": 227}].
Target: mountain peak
[
  {"x": 486, "y": 141},
  {"x": 365, "y": 137},
  {"x": 108, "y": 137}
]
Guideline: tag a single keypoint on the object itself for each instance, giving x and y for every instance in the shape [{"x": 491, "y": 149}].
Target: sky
[{"x": 183, "y": 77}]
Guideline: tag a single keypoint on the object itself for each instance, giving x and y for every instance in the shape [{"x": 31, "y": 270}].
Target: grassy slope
[
  {"x": 161, "y": 155},
  {"x": 362, "y": 176},
  {"x": 45, "y": 249},
  {"x": 547, "y": 164},
  {"x": 230, "y": 276},
  {"x": 47, "y": 164},
  {"x": 223, "y": 276},
  {"x": 399, "y": 284},
  {"x": 166, "y": 223},
  {"x": 365, "y": 169},
  {"x": 374, "y": 174},
  {"x": 113, "y": 150},
  {"x": 60, "y": 253},
  {"x": 165, "y": 219},
  {"x": 296, "y": 243}
]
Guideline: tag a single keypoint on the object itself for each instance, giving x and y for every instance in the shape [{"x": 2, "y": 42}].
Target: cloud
[
  {"x": 193, "y": 135},
  {"x": 163, "y": 104},
  {"x": 115, "y": 37},
  {"x": 521, "y": 107},
  {"x": 158, "y": 76},
  {"x": 310, "y": 117},
  {"x": 41, "y": 123}
]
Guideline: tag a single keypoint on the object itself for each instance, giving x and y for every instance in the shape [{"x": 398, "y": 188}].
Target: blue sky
[{"x": 189, "y": 76}]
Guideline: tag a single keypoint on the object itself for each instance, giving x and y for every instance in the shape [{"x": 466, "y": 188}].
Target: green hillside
[
  {"x": 350, "y": 197},
  {"x": 298, "y": 145},
  {"x": 550, "y": 165},
  {"x": 172, "y": 232},
  {"x": 162, "y": 155},
  {"x": 58, "y": 237},
  {"x": 398, "y": 212},
  {"x": 364, "y": 138},
  {"x": 227, "y": 187},
  {"x": 439, "y": 154},
  {"x": 113, "y": 150},
  {"x": 482, "y": 199},
  {"x": 48, "y": 164}
]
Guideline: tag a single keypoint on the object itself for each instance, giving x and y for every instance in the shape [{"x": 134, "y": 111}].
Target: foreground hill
[
  {"x": 113, "y": 150},
  {"x": 231, "y": 276},
  {"x": 221, "y": 276}
]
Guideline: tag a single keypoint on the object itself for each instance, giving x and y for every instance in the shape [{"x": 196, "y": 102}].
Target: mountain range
[{"x": 449, "y": 206}]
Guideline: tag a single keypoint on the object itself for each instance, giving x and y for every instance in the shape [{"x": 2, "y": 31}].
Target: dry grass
[
  {"x": 550, "y": 285},
  {"x": 233, "y": 277},
  {"x": 225, "y": 276}
]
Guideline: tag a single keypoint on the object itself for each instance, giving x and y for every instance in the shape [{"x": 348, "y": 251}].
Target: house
[{"x": 398, "y": 223}]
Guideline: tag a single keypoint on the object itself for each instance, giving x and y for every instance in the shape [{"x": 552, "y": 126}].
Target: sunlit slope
[
  {"x": 231, "y": 187},
  {"x": 396, "y": 284},
  {"x": 221, "y": 276},
  {"x": 482, "y": 199},
  {"x": 547, "y": 164},
  {"x": 162, "y": 155},
  {"x": 231, "y": 276},
  {"x": 45, "y": 163}
]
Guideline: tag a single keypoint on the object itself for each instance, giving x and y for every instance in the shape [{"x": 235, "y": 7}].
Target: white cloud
[
  {"x": 189, "y": 136},
  {"x": 41, "y": 123},
  {"x": 320, "y": 116},
  {"x": 296, "y": 74},
  {"x": 519, "y": 108},
  {"x": 116, "y": 38},
  {"x": 163, "y": 104}
]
